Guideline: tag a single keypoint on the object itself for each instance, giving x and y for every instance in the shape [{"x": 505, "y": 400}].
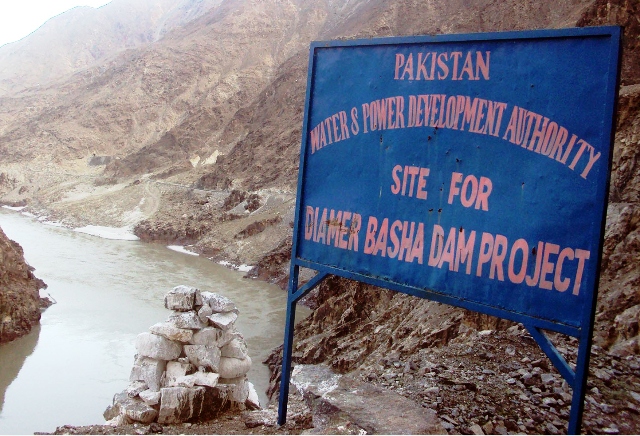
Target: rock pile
[{"x": 189, "y": 368}]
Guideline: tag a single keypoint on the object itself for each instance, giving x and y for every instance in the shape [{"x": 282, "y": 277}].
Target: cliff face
[{"x": 19, "y": 297}]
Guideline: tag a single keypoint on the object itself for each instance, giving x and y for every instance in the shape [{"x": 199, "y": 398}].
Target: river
[{"x": 67, "y": 370}]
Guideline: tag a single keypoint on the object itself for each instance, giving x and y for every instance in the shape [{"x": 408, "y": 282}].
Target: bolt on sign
[{"x": 472, "y": 170}]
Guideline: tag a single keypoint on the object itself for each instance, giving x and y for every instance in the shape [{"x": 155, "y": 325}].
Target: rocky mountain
[
  {"x": 182, "y": 120},
  {"x": 84, "y": 36},
  {"x": 20, "y": 300}
]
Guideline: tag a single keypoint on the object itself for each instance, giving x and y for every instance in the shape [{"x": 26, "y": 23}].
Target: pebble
[
  {"x": 547, "y": 378},
  {"x": 448, "y": 426},
  {"x": 552, "y": 428},
  {"x": 611, "y": 430},
  {"x": 549, "y": 401},
  {"x": 501, "y": 429},
  {"x": 488, "y": 428},
  {"x": 606, "y": 408},
  {"x": 476, "y": 429}
]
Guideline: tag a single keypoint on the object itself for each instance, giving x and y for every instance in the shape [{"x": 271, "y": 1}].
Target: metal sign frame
[{"x": 418, "y": 74}]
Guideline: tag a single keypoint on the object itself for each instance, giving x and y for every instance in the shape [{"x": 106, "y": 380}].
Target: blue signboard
[{"x": 468, "y": 169}]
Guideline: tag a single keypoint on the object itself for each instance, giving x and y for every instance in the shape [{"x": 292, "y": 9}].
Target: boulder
[
  {"x": 171, "y": 332},
  {"x": 157, "y": 347},
  {"x": 623, "y": 349},
  {"x": 133, "y": 408},
  {"x": 216, "y": 401},
  {"x": 209, "y": 379},
  {"x": 237, "y": 348},
  {"x": 224, "y": 321},
  {"x": 179, "y": 404},
  {"x": 203, "y": 356},
  {"x": 151, "y": 398},
  {"x": 175, "y": 371},
  {"x": 339, "y": 399},
  {"x": 204, "y": 312},
  {"x": 139, "y": 411},
  {"x": 134, "y": 388},
  {"x": 186, "y": 320},
  {"x": 149, "y": 371},
  {"x": 231, "y": 367},
  {"x": 218, "y": 303},
  {"x": 118, "y": 421},
  {"x": 185, "y": 381},
  {"x": 181, "y": 298},
  {"x": 113, "y": 410},
  {"x": 199, "y": 378},
  {"x": 264, "y": 417},
  {"x": 214, "y": 337},
  {"x": 197, "y": 299},
  {"x": 239, "y": 392},
  {"x": 253, "y": 401}
]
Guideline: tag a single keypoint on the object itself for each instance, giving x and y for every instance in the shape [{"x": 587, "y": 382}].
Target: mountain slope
[{"x": 202, "y": 118}]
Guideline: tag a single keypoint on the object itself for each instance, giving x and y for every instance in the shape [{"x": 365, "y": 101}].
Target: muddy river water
[{"x": 67, "y": 370}]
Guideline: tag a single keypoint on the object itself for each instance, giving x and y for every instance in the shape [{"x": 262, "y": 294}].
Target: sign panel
[
  {"x": 467, "y": 169},
  {"x": 470, "y": 168}
]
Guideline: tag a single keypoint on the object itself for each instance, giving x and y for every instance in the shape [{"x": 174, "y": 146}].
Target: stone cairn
[{"x": 190, "y": 368}]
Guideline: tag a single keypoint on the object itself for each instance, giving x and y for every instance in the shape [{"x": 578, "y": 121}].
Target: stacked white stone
[{"x": 189, "y": 368}]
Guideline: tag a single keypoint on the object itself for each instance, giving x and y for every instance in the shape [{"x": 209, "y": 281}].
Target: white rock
[
  {"x": 231, "y": 367},
  {"x": 134, "y": 388},
  {"x": 151, "y": 398},
  {"x": 186, "y": 320},
  {"x": 206, "y": 378},
  {"x": 133, "y": 408},
  {"x": 176, "y": 370},
  {"x": 178, "y": 404},
  {"x": 204, "y": 312},
  {"x": 224, "y": 321},
  {"x": 197, "y": 300},
  {"x": 253, "y": 401},
  {"x": 171, "y": 332},
  {"x": 214, "y": 337},
  {"x": 199, "y": 378},
  {"x": 141, "y": 412},
  {"x": 547, "y": 378},
  {"x": 236, "y": 348},
  {"x": 149, "y": 371},
  {"x": 119, "y": 420},
  {"x": 157, "y": 347},
  {"x": 186, "y": 381},
  {"x": 181, "y": 298},
  {"x": 240, "y": 391},
  {"x": 218, "y": 303},
  {"x": 203, "y": 355}
]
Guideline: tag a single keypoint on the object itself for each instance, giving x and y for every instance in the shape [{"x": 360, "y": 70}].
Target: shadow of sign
[{"x": 472, "y": 170}]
